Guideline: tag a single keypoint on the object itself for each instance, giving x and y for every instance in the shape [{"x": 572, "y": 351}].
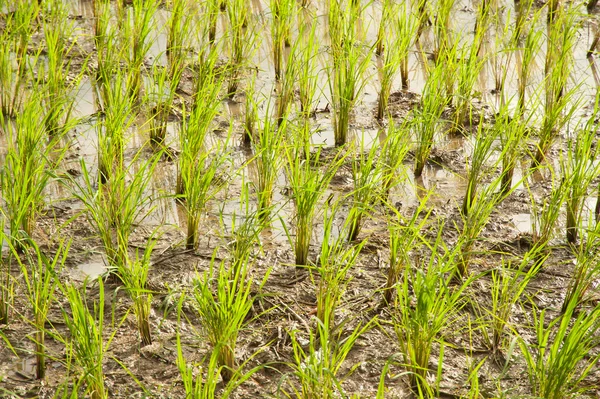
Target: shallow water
[
  {"x": 92, "y": 270},
  {"x": 522, "y": 222}
]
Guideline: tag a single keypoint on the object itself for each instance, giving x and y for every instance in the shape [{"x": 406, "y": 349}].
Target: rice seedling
[
  {"x": 484, "y": 20},
  {"x": 8, "y": 96},
  {"x": 250, "y": 112},
  {"x": 212, "y": 10},
  {"x": 134, "y": 275},
  {"x": 101, "y": 27},
  {"x": 507, "y": 286},
  {"x": 501, "y": 56},
  {"x": 87, "y": 343},
  {"x": 205, "y": 107},
  {"x": 245, "y": 232},
  {"x": 443, "y": 32},
  {"x": 242, "y": 38},
  {"x": 421, "y": 9},
  {"x": 404, "y": 239},
  {"x": 26, "y": 171},
  {"x": 307, "y": 62},
  {"x": 193, "y": 138},
  {"x": 335, "y": 260},
  {"x": 308, "y": 183},
  {"x": 381, "y": 387},
  {"x": 318, "y": 367},
  {"x": 547, "y": 212},
  {"x": 268, "y": 145},
  {"x": 473, "y": 222},
  {"x": 559, "y": 360},
  {"x": 594, "y": 45},
  {"x": 449, "y": 60},
  {"x": 6, "y": 78},
  {"x": 482, "y": 151},
  {"x": 54, "y": 75},
  {"x": 553, "y": 10},
  {"x": 393, "y": 153},
  {"x": 403, "y": 26},
  {"x": 7, "y": 282},
  {"x": 282, "y": 14},
  {"x": 167, "y": 80},
  {"x": 579, "y": 169},
  {"x": 14, "y": 62},
  {"x": 162, "y": 96},
  {"x": 117, "y": 119},
  {"x": 427, "y": 117},
  {"x": 475, "y": 390},
  {"x": 304, "y": 58},
  {"x": 529, "y": 51},
  {"x": 287, "y": 83},
  {"x": 380, "y": 43},
  {"x": 40, "y": 276},
  {"x": 367, "y": 178},
  {"x": 202, "y": 182},
  {"x": 201, "y": 381},
  {"x": 109, "y": 54},
  {"x": 68, "y": 389},
  {"x": 26, "y": 21},
  {"x": 424, "y": 306},
  {"x": 586, "y": 269},
  {"x": 179, "y": 23},
  {"x": 200, "y": 168},
  {"x": 120, "y": 10},
  {"x": 349, "y": 62},
  {"x": 559, "y": 64},
  {"x": 222, "y": 300},
  {"x": 523, "y": 11},
  {"x": 512, "y": 134},
  {"x": 137, "y": 27},
  {"x": 114, "y": 208},
  {"x": 198, "y": 383},
  {"x": 468, "y": 69}
]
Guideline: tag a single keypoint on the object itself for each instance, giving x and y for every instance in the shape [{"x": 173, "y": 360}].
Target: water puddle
[
  {"x": 446, "y": 186},
  {"x": 26, "y": 369},
  {"x": 522, "y": 222},
  {"x": 439, "y": 185},
  {"x": 588, "y": 220},
  {"x": 92, "y": 270},
  {"x": 85, "y": 99},
  {"x": 157, "y": 51},
  {"x": 366, "y": 138}
]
